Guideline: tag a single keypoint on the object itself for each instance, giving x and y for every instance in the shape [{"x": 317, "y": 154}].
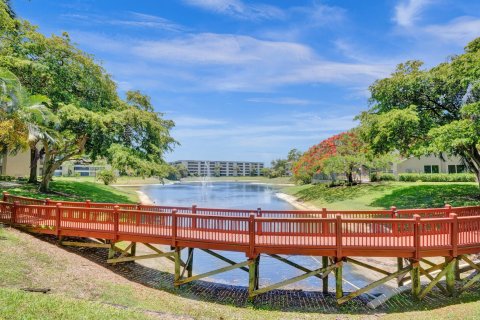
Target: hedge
[
  {"x": 374, "y": 177},
  {"x": 436, "y": 177}
]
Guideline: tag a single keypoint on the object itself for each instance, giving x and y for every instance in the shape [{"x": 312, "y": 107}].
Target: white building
[
  {"x": 221, "y": 168},
  {"x": 430, "y": 164}
]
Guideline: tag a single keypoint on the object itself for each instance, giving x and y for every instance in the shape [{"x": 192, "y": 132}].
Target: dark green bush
[
  {"x": 437, "y": 177},
  {"x": 7, "y": 178},
  {"x": 378, "y": 176},
  {"x": 107, "y": 176}
]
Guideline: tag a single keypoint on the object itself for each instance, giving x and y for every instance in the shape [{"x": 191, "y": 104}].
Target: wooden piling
[
  {"x": 252, "y": 277},
  {"x": 133, "y": 249},
  {"x": 177, "y": 258},
  {"x": 415, "y": 276},
  {"x": 400, "y": 267},
  {"x": 190, "y": 262},
  {"x": 450, "y": 275},
  {"x": 325, "y": 279},
  {"x": 339, "y": 279}
]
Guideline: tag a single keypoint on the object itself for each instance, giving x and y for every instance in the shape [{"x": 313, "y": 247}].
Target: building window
[
  {"x": 459, "y": 168},
  {"x": 431, "y": 169}
]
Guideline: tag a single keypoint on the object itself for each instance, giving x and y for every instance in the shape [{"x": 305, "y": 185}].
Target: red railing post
[
  {"x": 58, "y": 222},
  {"x": 194, "y": 220},
  {"x": 449, "y": 210},
  {"x": 47, "y": 201},
  {"x": 338, "y": 225},
  {"x": 454, "y": 234},
  {"x": 325, "y": 228},
  {"x": 14, "y": 212},
  {"x": 393, "y": 215},
  {"x": 116, "y": 221},
  {"x": 259, "y": 214},
  {"x": 251, "y": 233},
  {"x": 416, "y": 235},
  {"x": 88, "y": 203},
  {"x": 174, "y": 227},
  {"x": 5, "y": 196}
]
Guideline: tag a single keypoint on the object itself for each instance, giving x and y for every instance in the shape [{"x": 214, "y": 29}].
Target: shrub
[
  {"x": 437, "y": 177},
  {"x": 107, "y": 176},
  {"x": 7, "y": 178},
  {"x": 378, "y": 176}
]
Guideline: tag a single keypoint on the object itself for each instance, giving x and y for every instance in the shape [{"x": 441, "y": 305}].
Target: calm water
[{"x": 248, "y": 196}]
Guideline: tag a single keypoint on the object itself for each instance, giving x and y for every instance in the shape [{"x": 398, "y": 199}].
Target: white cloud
[
  {"x": 238, "y": 9},
  {"x": 407, "y": 12},
  {"x": 460, "y": 30}
]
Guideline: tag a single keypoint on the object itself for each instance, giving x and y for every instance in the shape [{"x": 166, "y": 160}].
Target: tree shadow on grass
[
  {"x": 324, "y": 193},
  {"x": 430, "y": 196}
]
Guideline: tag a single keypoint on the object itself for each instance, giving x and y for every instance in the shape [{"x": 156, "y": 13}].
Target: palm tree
[{"x": 35, "y": 120}]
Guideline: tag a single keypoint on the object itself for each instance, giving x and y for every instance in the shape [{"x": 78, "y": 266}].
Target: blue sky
[{"x": 248, "y": 80}]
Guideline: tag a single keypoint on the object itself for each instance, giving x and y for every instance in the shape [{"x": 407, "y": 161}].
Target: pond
[{"x": 236, "y": 195}]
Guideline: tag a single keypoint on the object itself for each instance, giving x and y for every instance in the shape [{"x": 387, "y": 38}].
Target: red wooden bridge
[{"x": 411, "y": 235}]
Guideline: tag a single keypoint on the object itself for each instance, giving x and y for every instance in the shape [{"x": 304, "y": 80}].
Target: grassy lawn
[
  {"x": 387, "y": 194},
  {"x": 77, "y": 191},
  {"x": 80, "y": 289}
]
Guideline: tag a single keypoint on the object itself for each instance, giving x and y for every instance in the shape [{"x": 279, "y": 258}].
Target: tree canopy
[
  {"x": 92, "y": 119},
  {"x": 421, "y": 111}
]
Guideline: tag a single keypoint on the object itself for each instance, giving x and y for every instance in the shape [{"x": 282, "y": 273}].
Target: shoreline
[
  {"x": 144, "y": 199},
  {"x": 294, "y": 201}
]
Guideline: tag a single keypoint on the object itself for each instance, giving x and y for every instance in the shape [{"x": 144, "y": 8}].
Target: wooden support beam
[
  {"x": 216, "y": 255},
  {"x": 439, "y": 286},
  {"x": 415, "y": 276},
  {"x": 210, "y": 273},
  {"x": 365, "y": 265},
  {"x": 189, "y": 265},
  {"x": 111, "y": 250},
  {"x": 148, "y": 245},
  {"x": 400, "y": 279},
  {"x": 253, "y": 277},
  {"x": 133, "y": 249},
  {"x": 429, "y": 270},
  {"x": 325, "y": 278},
  {"x": 292, "y": 280},
  {"x": 437, "y": 278},
  {"x": 373, "y": 285},
  {"x": 293, "y": 264},
  {"x": 84, "y": 244},
  {"x": 470, "y": 263},
  {"x": 176, "y": 256},
  {"x": 471, "y": 282},
  {"x": 143, "y": 257},
  {"x": 339, "y": 279},
  {"x": 431, "y": 264},
  {"x": 450, "y": 275}
]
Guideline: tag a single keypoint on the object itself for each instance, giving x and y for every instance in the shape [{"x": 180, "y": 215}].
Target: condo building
[{"x": 221, "y": 168}]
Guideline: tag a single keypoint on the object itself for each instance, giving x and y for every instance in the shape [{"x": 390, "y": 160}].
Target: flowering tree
[{"x": 311, "y": 162}]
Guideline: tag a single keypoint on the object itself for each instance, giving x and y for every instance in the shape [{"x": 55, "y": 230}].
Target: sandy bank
[
  {"x": 295, "y": 202},
  {"x": 144, "y": 199}
]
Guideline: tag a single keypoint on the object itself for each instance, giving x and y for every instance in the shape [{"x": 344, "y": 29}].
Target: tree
[
  {"x": 294, "y": 155},
  {"x": 182, "y": 170},
  {"x": 423, "y": 111},
  {"x": 311, "y": 162},
  {"x": 235, "y": 170},
  {"x": 26, "y": 116},
  {"x": 216, "y": 170},
  {"x": 266, "y": 172}
]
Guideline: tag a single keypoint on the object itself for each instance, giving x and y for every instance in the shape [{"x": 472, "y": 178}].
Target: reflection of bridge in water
[{"x": 410, "y": 235}]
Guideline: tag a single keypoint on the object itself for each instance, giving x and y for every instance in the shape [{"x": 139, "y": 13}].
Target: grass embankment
[
  {"x": 71, "y": 190},
  {"x": 387, "y": 194},
  {"x": 81, "y": 289}
]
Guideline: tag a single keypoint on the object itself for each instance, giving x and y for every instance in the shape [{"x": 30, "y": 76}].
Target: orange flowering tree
[{"x": 311, "y": 162}]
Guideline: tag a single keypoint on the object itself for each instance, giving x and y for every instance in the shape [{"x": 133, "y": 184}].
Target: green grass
[
  {"x": 387, "y": 194},
  {"x": 77, "y": 191},
  {"x": 16, "y": 304}
]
